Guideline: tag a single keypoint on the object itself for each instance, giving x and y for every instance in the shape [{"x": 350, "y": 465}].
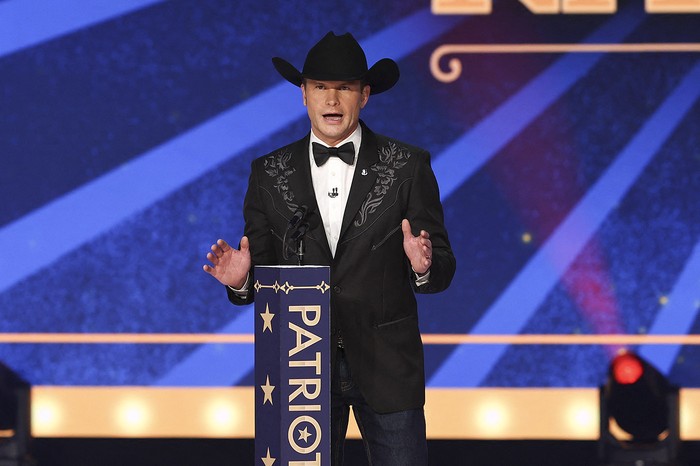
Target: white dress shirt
[{"x": 332, "y": 183}]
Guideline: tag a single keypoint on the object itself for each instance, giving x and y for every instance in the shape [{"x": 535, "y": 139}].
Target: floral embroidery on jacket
[
  {"x": 277, "y": 166},
  {"x": 391, "y": 159}
]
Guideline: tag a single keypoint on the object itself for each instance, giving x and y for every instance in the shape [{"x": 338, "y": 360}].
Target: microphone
[
  {"x": 297, "y": 217},
  {"x": 299, "y": 232}
]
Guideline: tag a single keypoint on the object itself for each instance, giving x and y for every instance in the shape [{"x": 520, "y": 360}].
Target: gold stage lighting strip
[
  {"x": 428, "y": 339},
  {"x": 124, "y": 338},
  {"x": 228, "y": 412},
  {"x": 578, "y": 339},
  {"x": 455, "y": 65}
]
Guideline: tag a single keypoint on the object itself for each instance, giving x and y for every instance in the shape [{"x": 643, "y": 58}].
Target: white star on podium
[
  {"x": 267, "y": 459},
  {"x": 304, "y": 434},
  {"x": 267, "y": 318},
  {"x": 267, "y": 390}
]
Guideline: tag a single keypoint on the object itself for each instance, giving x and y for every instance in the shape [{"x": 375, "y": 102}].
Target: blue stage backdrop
[{"x": 568, "y": 161}]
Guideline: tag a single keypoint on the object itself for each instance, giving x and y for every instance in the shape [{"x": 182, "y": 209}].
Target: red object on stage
[{"x": 627, "y": 369}]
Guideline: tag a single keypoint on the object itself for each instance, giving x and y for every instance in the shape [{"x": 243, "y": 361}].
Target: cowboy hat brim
[{"x": 381, "y": 77}]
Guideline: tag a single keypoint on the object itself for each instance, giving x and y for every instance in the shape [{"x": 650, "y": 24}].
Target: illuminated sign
[{"x": 545, "y": 7}]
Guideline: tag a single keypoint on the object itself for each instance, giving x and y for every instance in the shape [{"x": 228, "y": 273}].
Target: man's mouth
[{"x": 333, "y": 116}]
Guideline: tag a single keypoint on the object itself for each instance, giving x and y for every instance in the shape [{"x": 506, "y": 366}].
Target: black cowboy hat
[{"x": 340, "y": 58}]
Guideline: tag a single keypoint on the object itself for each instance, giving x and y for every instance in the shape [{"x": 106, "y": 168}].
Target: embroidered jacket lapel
[{"x": 364, "y": 178}]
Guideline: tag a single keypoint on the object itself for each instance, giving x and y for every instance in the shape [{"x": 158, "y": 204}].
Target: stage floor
[{"x": 223, "y": 452}]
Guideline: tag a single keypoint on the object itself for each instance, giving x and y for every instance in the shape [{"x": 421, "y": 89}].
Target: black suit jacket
[{"x": 373, "y": 305}]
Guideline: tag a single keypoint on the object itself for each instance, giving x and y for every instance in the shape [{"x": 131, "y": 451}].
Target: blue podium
[{"x": 292, "y": 365}]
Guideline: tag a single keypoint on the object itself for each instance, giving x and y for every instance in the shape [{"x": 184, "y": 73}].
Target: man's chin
[{"x": 332, "y": 134}]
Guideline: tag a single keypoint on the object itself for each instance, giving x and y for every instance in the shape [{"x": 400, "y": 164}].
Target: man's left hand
[{"x": 419, "y": 249}]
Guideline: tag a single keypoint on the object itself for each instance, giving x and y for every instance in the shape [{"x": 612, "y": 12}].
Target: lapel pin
[{"x": 364, "y": 172}]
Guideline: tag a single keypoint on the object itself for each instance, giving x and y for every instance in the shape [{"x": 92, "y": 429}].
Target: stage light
[
  {"x": 15, "y": 419},
  {"x": 221, "y": 416},
  {"x": 133, "y": 416},
  {"x": 46, "y": 415},
  {"x": 492, "y": 418},
  {"x": 582, "y": 418},
  {"x": 639, "y": 415},
  {"x": 627, "y": 369}
]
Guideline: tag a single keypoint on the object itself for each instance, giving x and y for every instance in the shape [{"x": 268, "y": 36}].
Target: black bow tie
[{"x": 346, "y": 152}]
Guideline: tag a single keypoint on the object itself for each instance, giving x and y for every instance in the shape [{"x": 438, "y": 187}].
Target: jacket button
[{"x": 337, "y": 289}]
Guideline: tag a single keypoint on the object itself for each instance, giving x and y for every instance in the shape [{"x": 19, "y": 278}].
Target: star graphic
[
  {"x": 267, "y": 390},
  {"x": 267, "y": 459},
  {"x": 267, "y": 318},
  {"x": 304, "y": 434}
]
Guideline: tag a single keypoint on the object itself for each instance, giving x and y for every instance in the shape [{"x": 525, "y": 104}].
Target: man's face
[{"x": 334, "y": 107}]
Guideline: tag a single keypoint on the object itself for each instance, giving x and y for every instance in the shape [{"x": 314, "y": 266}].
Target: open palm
[{"x": 230, "y": 266}]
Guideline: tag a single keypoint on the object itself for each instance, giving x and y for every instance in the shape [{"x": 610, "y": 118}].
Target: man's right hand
[{"x": 229, "y": 265}]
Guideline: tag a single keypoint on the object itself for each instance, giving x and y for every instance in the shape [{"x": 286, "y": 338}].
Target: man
[{"x": 368, "y": 196}]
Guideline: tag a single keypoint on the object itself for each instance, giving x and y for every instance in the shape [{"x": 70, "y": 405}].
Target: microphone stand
[
  {"x": 298, "y": 236},
  {"x": 300, "y": 251}
]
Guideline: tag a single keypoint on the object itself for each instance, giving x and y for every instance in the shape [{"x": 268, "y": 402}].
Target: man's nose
[{"x": 332, "y": 97}]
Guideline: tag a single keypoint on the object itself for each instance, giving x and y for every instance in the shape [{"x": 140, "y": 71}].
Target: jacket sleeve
[
  {"x": 259, "y": 233},
  {"x": 425, "y": 213}
]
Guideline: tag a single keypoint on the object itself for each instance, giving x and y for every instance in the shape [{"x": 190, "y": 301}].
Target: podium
[{"x": 292, "y": 365}]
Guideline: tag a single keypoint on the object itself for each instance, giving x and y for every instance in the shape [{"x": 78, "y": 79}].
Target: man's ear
[{"x": 366, "y": 91}]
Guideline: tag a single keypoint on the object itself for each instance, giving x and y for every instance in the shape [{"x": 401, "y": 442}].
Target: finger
[
  {"x": 245, "y": 244},
  {"x": 424, "y": 234},
  {"x": 223, "y": 245},
  {"x": 213, "y": 258},
  {"x": 428, "y": 250},
  {"x": 406, "y": 228},
  {"x": 208, "y": 269},
  {"x": 218, "y": 252}
]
